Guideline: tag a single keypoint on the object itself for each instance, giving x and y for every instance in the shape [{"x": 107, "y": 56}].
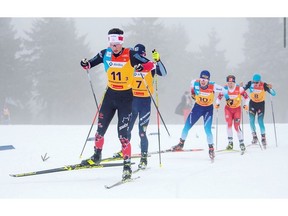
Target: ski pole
[
  {"x": 158, "y": 120},
  {"x": 89, "y": 133},
  {"x": 273, "y": 121},
  {"x": 98, "y": 110},
  {"x": 155, "y": 104},
  {"x": 216, "y": 128},
  {"x": 93, "y": 122},
  {"x": 242, "y": 119},
  {"x": 88, "y": 74}
]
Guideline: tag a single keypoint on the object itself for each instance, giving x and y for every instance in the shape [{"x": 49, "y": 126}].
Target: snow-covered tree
[{"x": 61, "y": 91}]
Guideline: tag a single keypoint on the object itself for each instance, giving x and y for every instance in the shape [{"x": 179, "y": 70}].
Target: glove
[
  {"x": 155, "y": 55},
  {"x": 229, "y": 102},
  {"x": 139, "y": 67},
  {"x": 85, "y": 64},
  {"x": 246, "y": 108},
  {"x": 217, "y": 106},
  {"x": 193, "y": 96}
]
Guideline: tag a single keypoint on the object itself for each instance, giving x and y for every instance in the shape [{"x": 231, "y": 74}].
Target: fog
[
  {"x": 186, "y": 45},
  {"x": 229, "y": 30}
]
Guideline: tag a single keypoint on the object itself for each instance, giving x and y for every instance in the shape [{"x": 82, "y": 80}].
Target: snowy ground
[{"x": 255, "y": 183}]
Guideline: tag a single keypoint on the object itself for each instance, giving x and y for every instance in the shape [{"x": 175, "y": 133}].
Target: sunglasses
[{"x": 255, "y": 82}]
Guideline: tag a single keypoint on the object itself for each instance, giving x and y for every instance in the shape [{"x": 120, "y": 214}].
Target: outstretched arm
[{"x": 87, "y": 64}]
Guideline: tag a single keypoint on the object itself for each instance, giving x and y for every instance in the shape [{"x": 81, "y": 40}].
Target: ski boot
[
  {"x": 263, "y": 141},
  {"x": 143, "y": 161},
  {"x": 118, "y": 154},
  {"x": 211, "y": 152},
  {"x": 229, "y": 146},
  {"x": 243, "y": 148},
  {"x": 179, "y": 146},
  {"x": 95, "y": 159},
  {"x": 127, "y": 172},
  {"x": 255, "y": 139}
]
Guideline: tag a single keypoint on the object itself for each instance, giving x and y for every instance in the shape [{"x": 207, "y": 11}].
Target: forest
[{"x": 42, "y": 81}]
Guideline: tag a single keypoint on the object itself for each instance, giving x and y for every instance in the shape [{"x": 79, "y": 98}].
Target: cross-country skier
[
  {"x": 233, "y": 94},
  {"x": 203, "y": 91},
  {"x": 119, "y": 64},
  {"x": 258, "y": 89},
  {"x": 141, "y": 105}
]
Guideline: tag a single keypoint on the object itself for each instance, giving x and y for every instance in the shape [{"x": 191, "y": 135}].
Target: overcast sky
[
  {"x": 229, "y": 30},
  {"x": 226, "y": 17}
]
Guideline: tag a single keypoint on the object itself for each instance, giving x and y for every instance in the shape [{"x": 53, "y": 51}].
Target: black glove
[
  {"x": 85, "y": 64},
  {"x": 193, "y": 96},
  {"x": 139, "y": 67},
  {"x": 229, "y": 102}
]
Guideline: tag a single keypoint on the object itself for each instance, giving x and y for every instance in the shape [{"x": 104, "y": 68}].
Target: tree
[
  {"x": 61, "y": 92},
  {"x": 265, "y": 54},
  {"x": 212, "y": 59},
  {"x": 14, "y": 84},
  {"x": 172, "y": 48}
]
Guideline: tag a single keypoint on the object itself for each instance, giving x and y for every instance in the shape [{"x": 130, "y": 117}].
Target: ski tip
[{"x": 12, "y": 175}]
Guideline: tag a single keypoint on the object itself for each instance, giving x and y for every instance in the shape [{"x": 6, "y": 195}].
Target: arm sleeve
[
  {"x": 160, "y": 69},
  {"x": 192, "y": 83},
  {"x": 269, "y": 90},
  {"x": 247, "y": 85},
  {"x": 218, "y": 88},
  {"x": 98, "y": 59},
  {"x": 219, "y": 97},
  {"x": 245, "y": 96},
  {"x": 136, "y": 59},
  {"x": 192, "y": 89}
]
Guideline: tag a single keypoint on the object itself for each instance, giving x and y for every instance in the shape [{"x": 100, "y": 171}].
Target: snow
[{"x": 184, "y": 182}]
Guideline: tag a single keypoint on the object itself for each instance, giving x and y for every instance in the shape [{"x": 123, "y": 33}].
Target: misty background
[{"x": 42, "y": 82}]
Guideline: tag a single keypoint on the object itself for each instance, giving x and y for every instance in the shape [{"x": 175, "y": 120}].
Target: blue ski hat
[
  {"x": 205, "y": 74},
  {"x": 256, "y": 78},
  {"x": 140, "y": 48}
]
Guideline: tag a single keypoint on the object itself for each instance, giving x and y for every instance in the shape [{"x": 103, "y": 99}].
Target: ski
[
  {"x": 66, "y": 168},
  {"x": 140, "y": 169},
  {"x": 6, "y": 147},
  {"x": 227, "y": 150},
  {"x": 154, "y": 133},
  {"x": 171, "y": 150},
  {"x": 255, "y": 144},
  {"x": 121, "y": 182},
  {"x": 230, "y": 151},
  {"x": 109, "y": 159}
]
